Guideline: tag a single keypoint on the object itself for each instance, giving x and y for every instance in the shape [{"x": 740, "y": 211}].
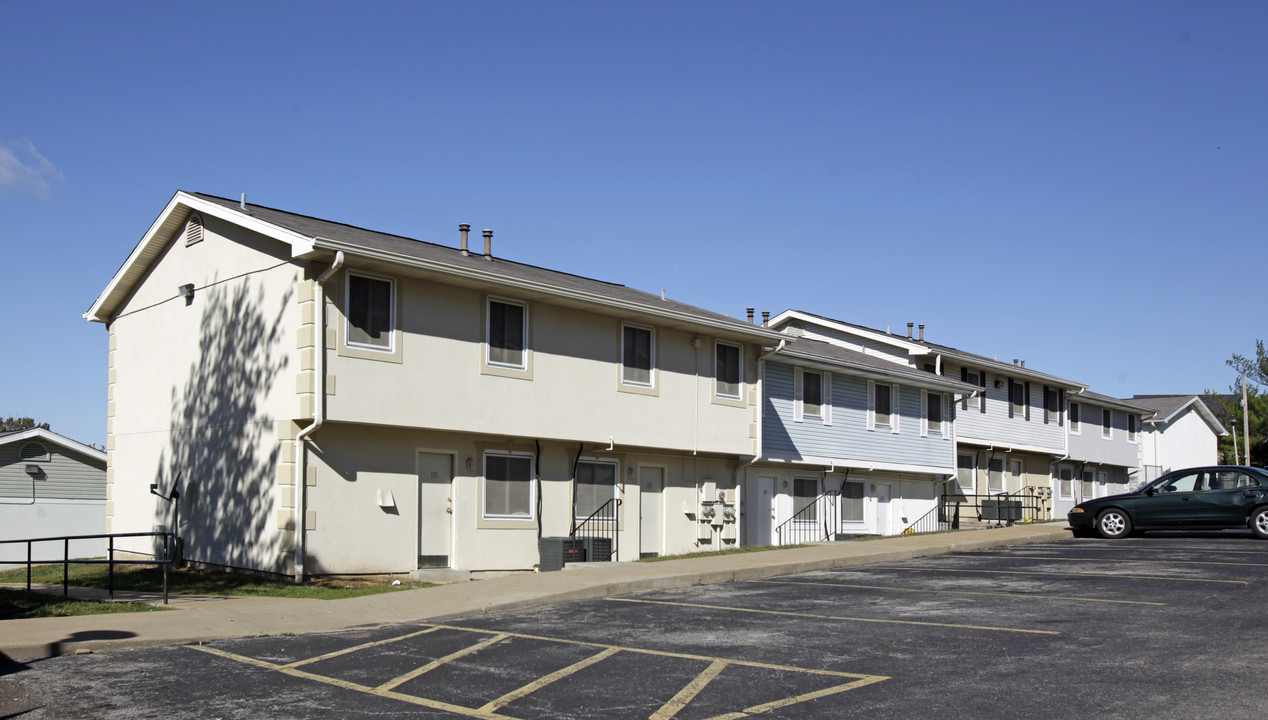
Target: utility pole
[{"x": 1245, "y": 420}]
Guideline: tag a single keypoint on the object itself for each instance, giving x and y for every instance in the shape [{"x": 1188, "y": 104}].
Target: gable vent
[
  {"x": 33, "y": 450},
  {"x": 194, "y": 229}
]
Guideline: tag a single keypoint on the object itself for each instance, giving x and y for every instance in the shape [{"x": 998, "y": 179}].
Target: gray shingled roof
[
  {"x": 474, "y": 262},
  {"x": 835, "y": 354}
]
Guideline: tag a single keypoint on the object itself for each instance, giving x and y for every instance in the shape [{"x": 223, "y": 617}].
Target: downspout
[{"x": 319, "y": 412}]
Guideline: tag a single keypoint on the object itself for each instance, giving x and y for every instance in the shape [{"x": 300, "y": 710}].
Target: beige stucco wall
[
  {"x": 571, "y": 393},
  {"x": 198, "y": 389},
  {"x": 354, "y": 464}
]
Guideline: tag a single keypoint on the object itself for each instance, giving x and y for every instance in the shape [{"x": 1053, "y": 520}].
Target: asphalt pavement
[{"x": 201, "y": 619}]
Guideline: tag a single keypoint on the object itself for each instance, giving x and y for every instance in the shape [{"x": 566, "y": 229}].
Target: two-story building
[
  {"x": 851, "y": 444},
  {"x": 1182, "y": 432},
  {"x": 1104, "y": 458},
  {"x": 1008, "y": 436},
  {"x": 329, "y": 399}
]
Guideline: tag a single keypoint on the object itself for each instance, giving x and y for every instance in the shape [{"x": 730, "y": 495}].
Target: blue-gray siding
[
  {"x": 65, "y": 475},
  {"x": 847, "y": 438},
  {"x": 996, "y": 426}
]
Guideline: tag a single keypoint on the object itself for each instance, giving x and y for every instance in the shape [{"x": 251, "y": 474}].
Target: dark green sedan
[{"x": 1202, "y": 498}]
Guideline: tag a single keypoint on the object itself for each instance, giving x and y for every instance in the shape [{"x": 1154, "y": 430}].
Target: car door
[
  {"x": 1169, "y": 503},
  {"x": 1227, "y": 497}
]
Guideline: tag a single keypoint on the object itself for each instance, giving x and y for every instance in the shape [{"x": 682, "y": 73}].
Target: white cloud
[{"x": 24, "y": 170}]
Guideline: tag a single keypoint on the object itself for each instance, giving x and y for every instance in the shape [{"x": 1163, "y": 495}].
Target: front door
[
  {"x": 435, "y": 509},
  {"x": 651, "y": 516},
  {"x": 762, "y": 517},
  {"x": 884, "y": 524}
]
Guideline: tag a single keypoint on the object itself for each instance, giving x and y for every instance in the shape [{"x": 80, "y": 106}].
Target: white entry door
[
  {"x": 651, "y": 511},
  {"x": 884, "y": 521},
  {"x": 762, "y": 515},
  {"x": 435, "y": 510}
]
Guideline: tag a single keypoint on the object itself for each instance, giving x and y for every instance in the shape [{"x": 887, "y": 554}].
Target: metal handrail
[
  {"x": 603, "y": 522},
  {"x": 933, "y": 521},
  {"x": 825, "y": 523},
  {"x": 169, "y": 540}
]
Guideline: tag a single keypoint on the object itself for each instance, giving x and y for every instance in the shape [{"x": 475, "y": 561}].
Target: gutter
[{"x": 319, "y": 413}]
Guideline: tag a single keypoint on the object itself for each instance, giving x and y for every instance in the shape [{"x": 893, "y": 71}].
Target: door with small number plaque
[{"x": 435, "y": 509}]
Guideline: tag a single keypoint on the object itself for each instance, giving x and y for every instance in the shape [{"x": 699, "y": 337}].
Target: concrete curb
[{"x": 202, "y": 620}]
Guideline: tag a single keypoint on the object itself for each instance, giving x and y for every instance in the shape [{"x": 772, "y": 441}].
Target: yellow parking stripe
[
  {"x": 1052, "y": 574},
  {"x": 688, "y": 693},
  {"x": 785, "y": 702},
  {"x": 355, "y": 648},
  {"x": 1018, "y": 596},
  {"x": 394, "y": 682},
  {"x": 837, "y": 617},
  {"x": 548, "y": 679}
]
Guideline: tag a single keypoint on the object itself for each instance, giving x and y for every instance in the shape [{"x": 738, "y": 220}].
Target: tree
[
  {"x": 11, "y": 424},
  {"x": 1256, "y": 370}
]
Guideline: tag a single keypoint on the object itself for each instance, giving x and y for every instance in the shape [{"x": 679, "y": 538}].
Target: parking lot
[{"x": 1168, "y": 625}]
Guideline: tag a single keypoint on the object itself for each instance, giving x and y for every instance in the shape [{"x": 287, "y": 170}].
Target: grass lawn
[
  {"x": 184, "y": 581},
  {"x": 20, "y": 604}
]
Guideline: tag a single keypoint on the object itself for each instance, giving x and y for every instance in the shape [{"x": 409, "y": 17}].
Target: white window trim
[
  {"x": 1060, "y": 495},
  {"x": 651, "y": 371},
  {"x": 799, "y": 396},
  {"x": 616, "y": 481},
  {"x": 1107, "y": 432},
  {"x": 1075, "y": 426},
  {"x": 1003, "y": 475},
  {"x": 970, "y": 489},
  {"x": 532, "y": 486},
  {"x": 739, "y": 395},
  {"x": 1133, "y": 435},
  {"x": 862, "y": 521},
  {"x": 390, "y": 348},
  {"x": 893, "y": 406},
  {"x": 925, "y": 427},
  {"x": 488, "y": 328}
]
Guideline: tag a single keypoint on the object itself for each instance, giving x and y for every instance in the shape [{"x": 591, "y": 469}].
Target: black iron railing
[
  {"x": 938, "y": 519},
  {"x": 169, "y": 543},
  {"x": 818, "y": 521},
  {"x": 1028, "y": 504},
  {"x": 600, "y": 532}
]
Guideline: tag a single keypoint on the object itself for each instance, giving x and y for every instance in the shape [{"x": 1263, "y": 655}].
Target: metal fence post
[
  {"x": 66, "y": 567},
  {"x": 110, "y": 559}
]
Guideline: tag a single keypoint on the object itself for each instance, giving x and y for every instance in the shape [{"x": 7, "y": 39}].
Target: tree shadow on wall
[{"x": 220, "y": 443}]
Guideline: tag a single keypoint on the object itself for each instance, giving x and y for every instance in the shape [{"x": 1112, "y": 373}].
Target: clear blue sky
[{"x": 1082, "y": 185}]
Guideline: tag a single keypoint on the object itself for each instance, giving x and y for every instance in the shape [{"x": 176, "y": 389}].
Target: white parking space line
[
  {"x": 1116, "y": 576},
  {"x": 816, "y": 616},
  {"x": 1014, "y": 596}
]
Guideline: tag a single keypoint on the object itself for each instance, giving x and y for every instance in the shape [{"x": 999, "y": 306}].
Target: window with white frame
[
  {"x": 596, "y": 487},
  {"x": 1133, "y": 427},
  {"x": 972, "y": 377},
  {"x": 1107, "y": 423},
  {"x": 852, "y": 502},
  {"x": 506, "y": 334},
  {"x": 933, "y": 412},
  {"x": 1074, "y": 418},
  {"x": 1102, "y": 479},
  {"x": 638, "y": 355},
  {"x": 965, "y": 469},
  {"x": 805, "y": 493},
  {"x": 812, "y": 395},
  {"x": 1088, "y": 488},
  {"x": 1015, "y": 468},
  {"x": 370, "y": 309},
  {"x": 995, "y": 475},
  {"x": 508, "y": 486},
  {"x": 1018, "y": 407},
  {"x": 1065, "y": 483},
  {"x": 882, "y": 406},
  {"x": 1052, "y": 404},
  {"x": 727, "y": 370}
]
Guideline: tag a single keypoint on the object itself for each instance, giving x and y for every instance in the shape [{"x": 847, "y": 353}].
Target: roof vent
[
  {"x": 488, "y": 244},
  {"x": 194, "y": 230}
]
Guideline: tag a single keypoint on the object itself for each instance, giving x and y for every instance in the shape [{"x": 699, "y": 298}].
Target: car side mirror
[{"x": 1150, "y": 492}]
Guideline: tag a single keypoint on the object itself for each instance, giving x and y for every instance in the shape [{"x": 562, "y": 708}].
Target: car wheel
[
  {"x": 1259, "y": 522},
  {"x": 1114, "y": 524}
]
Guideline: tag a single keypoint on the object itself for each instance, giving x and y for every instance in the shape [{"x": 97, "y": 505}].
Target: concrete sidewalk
[{"x": 204, "y": 619}]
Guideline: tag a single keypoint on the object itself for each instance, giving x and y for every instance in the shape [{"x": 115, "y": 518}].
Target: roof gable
[{"x": 52, "y": 438}]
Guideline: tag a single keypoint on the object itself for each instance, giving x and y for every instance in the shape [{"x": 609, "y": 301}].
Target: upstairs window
[
  {"x": 1017, "y": 404},
  {"x": 507, "y": 334},
  {"x": 1133, "y": 427},
  {"x": 812, "y": 395},
  {"x": 1107, "y": 423},
  {"x": 933, "y": 413},
  {"x": 882, "y": 406},
  {"x": 973, "y": 377},
  {"x": 371, "y": 311},
  {"x": 727, "y": 370},
  {"x": 1074, "y": 418},
  {"x": 638, "y": 355},
  {"x": 1052, "y": 405}
]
